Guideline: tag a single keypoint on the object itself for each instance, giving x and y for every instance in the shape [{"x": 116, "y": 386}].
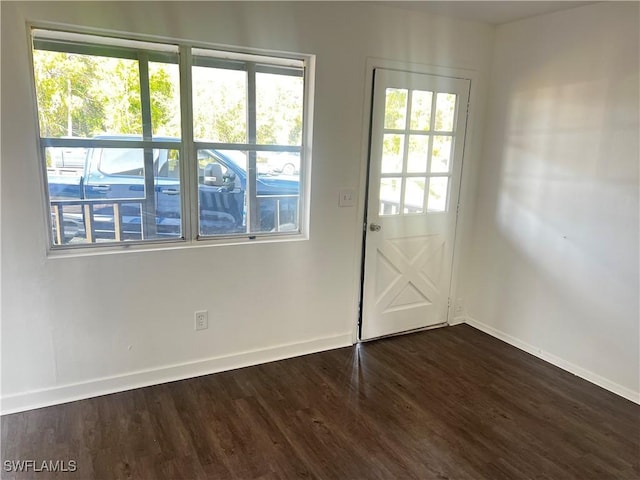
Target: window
[{"x": 149, "y": 142}]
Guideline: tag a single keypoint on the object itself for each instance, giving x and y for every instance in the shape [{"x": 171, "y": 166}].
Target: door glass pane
[
  {"x": 445, "y": 110},
  {"x": 219, "y": 105},
  {"x": 437, "y": 194},
  {"x": 390, "y": 189},
  {"x": 395, "y": 110},
  {"x": 421, "y": 110},
  {"x": 392, "y": 153},
  {"x": 164, "y": 87},
  {"x": 414, "y": 195},
  {"x": 441, "y": 154},
  {"x": 418, "y": 153}
]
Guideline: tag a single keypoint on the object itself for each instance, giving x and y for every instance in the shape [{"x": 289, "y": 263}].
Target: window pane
[
  {"x": 392, "y": 153},
  {"x": 279, "y": 109},
  {"x": 418, "y": 153},
  {"x": 277, "y": 194},
  {"x": 219, "y": 105},
  {"x": 445, "y": 110},
  {"x": 109, "y": 202},
  {"x": 414, "y": 195},
  {"x": 441, "y": 154},
  {"x": 86, "y": 95},
  {"x": 168, "y": 200},
  {"x": 221, "y": 192},
  {"x": 395, "y": 109},
  {"x": 390, "y": 190},
  {"x": 421, "y": 110},
  {"x": 164, "y": 85},
  {"x": 437, "y": 194},
  {"x": 65, "y": 167}
]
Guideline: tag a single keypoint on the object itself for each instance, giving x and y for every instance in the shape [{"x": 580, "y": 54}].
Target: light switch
[{"x": 347, "y": 197}]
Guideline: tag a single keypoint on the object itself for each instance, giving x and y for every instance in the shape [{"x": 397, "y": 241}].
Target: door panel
[{"x": 417, "y": 139}]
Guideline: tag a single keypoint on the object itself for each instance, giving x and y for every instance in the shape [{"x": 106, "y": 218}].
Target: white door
[{"x": 417, "y": 141}]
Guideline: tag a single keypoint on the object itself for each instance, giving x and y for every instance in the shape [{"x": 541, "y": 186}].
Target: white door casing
[{"x": 418, "y": 126}]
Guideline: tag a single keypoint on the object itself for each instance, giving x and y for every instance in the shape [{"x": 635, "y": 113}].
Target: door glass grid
[{"x": 417, "y": 148}]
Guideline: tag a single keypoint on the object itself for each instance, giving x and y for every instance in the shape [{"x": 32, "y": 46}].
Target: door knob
[{"x": 374, "y": 227}]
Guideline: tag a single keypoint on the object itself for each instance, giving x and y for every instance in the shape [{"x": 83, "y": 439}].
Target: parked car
[
  {"x": 67, "y": 158},
  {"x": 284, "y": 163}
]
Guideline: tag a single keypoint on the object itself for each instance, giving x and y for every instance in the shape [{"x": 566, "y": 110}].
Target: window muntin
[{"x": 242, "y": 104}]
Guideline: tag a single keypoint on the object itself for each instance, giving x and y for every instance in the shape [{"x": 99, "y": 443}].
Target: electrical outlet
[
  {"x": 459, "y": 309},
  {"x": 202, "y": 319}
]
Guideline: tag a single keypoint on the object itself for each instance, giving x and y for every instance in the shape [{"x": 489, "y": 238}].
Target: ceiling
[{"x": 493, "y": 12}]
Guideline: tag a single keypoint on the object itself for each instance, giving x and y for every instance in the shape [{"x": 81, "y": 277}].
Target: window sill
[{"x": 61, "y": 253}]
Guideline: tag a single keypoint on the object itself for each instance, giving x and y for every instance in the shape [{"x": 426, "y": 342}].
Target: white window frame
[{"x": 188, "y": 147}]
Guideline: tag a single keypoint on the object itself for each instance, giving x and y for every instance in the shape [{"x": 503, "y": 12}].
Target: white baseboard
[
  {"x": 458, "y": 320},
  {"x": 144, "y": 378},
  {"x": 557, "y": 361}
]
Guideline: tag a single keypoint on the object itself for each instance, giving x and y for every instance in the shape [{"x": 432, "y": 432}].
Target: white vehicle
[
  {"x": 67, "y": 158},
  {"x": 282, "y": 163}
]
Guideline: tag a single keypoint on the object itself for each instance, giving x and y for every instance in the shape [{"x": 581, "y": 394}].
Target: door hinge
[
  {"x": 448, "y": 302},
  {"x": 457, "y": 210}
]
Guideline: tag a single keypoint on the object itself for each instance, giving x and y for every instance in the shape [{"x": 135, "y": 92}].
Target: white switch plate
[{"x": 347, "y": 197}]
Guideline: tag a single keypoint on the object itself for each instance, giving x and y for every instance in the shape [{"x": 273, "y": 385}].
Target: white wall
[
  {"x": 554, "y": 264},
  {"x": 74, "y": 327}
]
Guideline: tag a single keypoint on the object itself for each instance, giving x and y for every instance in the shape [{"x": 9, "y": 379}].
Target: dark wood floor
[{"x": 451, "y": 403}]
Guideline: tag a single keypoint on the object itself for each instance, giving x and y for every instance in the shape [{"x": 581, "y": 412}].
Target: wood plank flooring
[{"x": 451, "y": 403}]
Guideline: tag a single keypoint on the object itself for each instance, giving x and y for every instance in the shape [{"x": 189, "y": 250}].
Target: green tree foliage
[
  {"x": 165, "y": 99},
  {"x": 97, "y": 95},
  {"x": 65, "y": 90},
  {"x": 395, "y": 110},
  {"x": 219, "y": 105},
  {"x": 445, "y": 111},
  {"x": 119, "y": 83},
  {"x": 279, "y": 109},
  {"x": 395, "y": 114}
]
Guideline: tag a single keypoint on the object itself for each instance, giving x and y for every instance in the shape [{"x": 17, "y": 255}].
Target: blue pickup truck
[{"x": 113, "y": 184}]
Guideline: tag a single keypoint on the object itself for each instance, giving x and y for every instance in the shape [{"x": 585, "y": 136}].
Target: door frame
[{"x": 468, "y": 167}]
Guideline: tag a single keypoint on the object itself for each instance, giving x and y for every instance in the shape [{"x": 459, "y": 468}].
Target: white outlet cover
[{"x": 201, "y": 319}]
